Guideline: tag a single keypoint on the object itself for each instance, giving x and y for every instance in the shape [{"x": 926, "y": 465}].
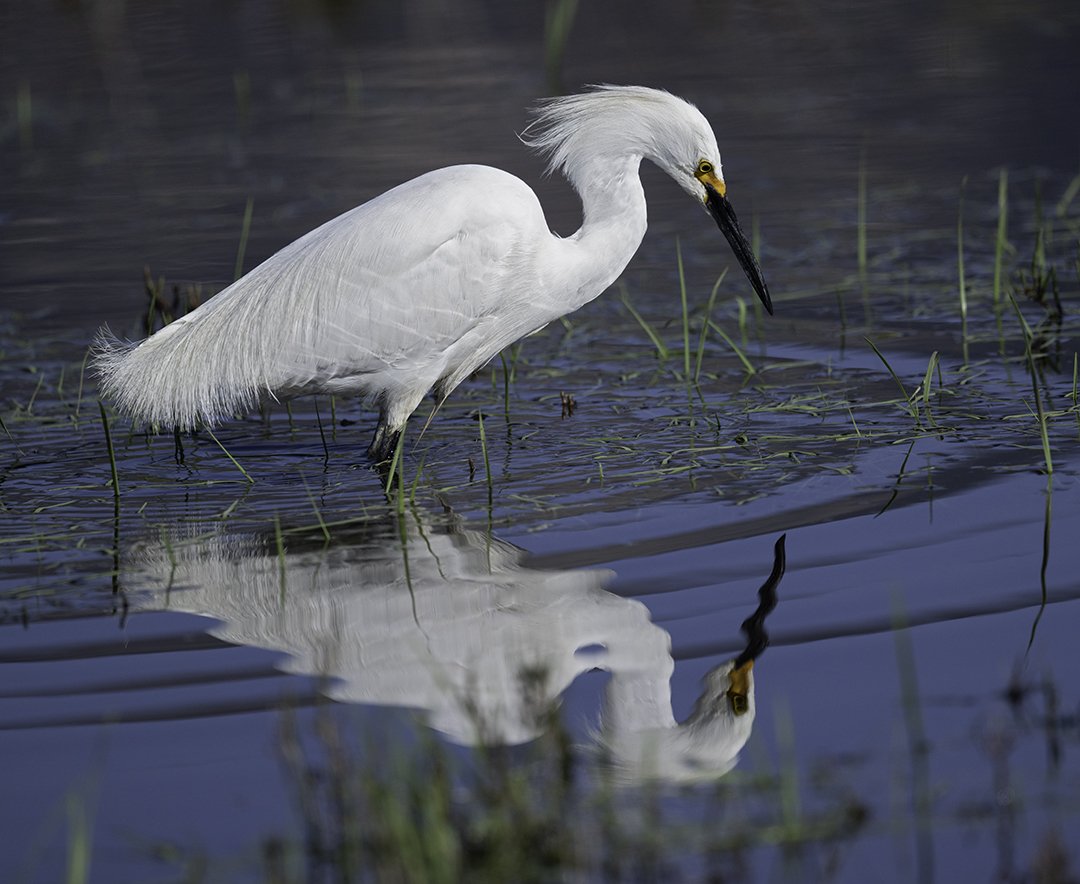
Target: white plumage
[{"x": 415, "y": 290}]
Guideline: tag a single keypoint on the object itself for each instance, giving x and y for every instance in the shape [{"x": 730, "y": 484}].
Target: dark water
[{"x": 147, "y": 649}]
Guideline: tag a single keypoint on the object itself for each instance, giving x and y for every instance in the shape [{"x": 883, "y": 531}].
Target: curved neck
[
  {"x": 614, "y": 223},
  {"x": 612, "y": 198}
]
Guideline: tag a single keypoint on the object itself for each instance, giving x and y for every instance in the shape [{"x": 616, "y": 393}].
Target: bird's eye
[
  {"x": 704, "y": 167},
  {"x": 739, "y": 703}
]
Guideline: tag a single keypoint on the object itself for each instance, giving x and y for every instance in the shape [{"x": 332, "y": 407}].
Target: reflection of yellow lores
[{"x": 452, "y": 624}]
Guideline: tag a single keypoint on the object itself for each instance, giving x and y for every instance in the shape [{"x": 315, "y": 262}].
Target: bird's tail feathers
[{"x": 165, "y": 383}]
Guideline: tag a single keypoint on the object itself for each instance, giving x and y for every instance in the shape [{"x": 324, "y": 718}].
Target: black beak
[{"x": 720, "y": 208}]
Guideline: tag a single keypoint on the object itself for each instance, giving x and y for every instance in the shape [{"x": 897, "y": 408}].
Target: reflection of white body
[
  {"x": 645, "y": 741},
  {"x": 451, "y": 623}
]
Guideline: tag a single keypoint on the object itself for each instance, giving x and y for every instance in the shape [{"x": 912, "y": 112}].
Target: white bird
[{"x": 418, "y": 288}]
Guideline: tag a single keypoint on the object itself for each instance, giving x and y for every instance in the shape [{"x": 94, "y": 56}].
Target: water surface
[{"x": 918, "y": 682}]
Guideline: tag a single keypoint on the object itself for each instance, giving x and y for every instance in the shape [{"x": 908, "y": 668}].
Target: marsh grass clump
[
  {"x": 160, "y": 310},
  {"x": 415, "y": 809},
  {"x": 419, "y": 811}
]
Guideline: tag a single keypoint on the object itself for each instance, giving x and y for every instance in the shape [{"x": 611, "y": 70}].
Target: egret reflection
[
  {"x": 429, "y": 615},
  {"x": 654, "y": 745}
]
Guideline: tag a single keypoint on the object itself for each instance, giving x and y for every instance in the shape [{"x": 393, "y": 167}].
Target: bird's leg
[
  {"x": 178, "y": 449},
  {"x": 385, "y": 453},
  {"x": 383, "y": 443},
  {"x": 381, "y": 468}
]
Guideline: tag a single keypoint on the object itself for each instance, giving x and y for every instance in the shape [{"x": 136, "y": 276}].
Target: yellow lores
[
  {"x": 706, "y": 174},
  {"x": 740, "y": 687}
]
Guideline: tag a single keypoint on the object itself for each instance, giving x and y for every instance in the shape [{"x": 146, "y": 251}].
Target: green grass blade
[
  {"x": 705, "y": 325},
  {"x": 1000, "y": 241},
  {"x": 1067, "y": 197},
  {"x": 661, "y": 350},
  {"x": 860, "y": 245},
  {"x": 1040, "y": 414},
  {"x": 79, "y": 842},
  {"x": 318, "y": 514},
  {"x": 1076, "y": 357},
  {"x": 912, "y": 408},
  {"x": 927, "y": 381},
  {"x": 962, "y": 278},
  {"x": 747, "y": 364},
  {"x": 112, "y": 453},
  {"x": 11, "y": 438},
  {"x": 245, "y": 231},
  {"x": 685, "y": 311},
  {"x": 235, "y": 462},
  {"x": 279, "y": 546}
]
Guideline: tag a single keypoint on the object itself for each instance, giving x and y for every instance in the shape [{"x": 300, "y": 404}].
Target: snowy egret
[{"x": 418, "y": 288}]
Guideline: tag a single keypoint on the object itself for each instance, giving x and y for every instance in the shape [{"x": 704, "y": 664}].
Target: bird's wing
[
  {"x": 441, "y": 262},
  {"x": 415, "y": 288}
]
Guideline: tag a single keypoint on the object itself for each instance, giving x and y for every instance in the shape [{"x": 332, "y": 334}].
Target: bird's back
[{"x": 383, "y": 300}]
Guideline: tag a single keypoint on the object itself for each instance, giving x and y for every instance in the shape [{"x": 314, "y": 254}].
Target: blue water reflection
[{"x": 425, "y": 614}]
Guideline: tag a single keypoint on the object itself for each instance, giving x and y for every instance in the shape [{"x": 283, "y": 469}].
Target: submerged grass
[{"x": 422, "y": 811}]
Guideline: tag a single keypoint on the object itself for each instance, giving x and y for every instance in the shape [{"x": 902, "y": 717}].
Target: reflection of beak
[
  {"x": 740, "y": 687},
  {"x": 720, "y": 208}
]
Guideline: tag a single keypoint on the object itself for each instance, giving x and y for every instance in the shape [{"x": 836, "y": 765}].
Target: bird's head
[
  {"x": 720, "y": 208},
  {"x": 579, "y": 131},
  {"x": 686, "y": 149}
]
